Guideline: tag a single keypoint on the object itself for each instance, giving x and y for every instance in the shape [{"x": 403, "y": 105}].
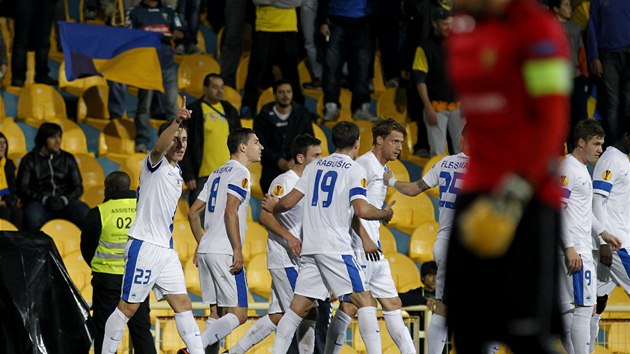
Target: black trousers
[
  {"x": 512, "y": 299},
  {"x": 106, "y": 295}
]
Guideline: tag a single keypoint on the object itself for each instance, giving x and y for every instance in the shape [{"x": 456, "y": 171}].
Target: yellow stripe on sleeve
[
  {"x": 547, "y": 76},
  {"x": 420, "y": 62}
]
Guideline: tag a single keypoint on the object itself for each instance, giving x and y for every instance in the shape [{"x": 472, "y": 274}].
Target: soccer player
[
  {"x": 387, "y": 138},
  {"x": 219, "y": 256},
  {"x": 578, "y": 284},
  {"x": 611, "y": 196},
  {"x": 150, "y": 260},
  {"x": 283, "y": 250},
  {"x": 509, "y": 63},
  {"x": 334, "y": 191}
]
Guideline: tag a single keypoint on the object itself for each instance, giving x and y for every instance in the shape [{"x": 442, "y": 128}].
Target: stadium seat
[
  {"x": 410, "y": 142},
  {"x": 3, "y": 109},
  {"x": 345, "y": 98},
  {"x": 92, "y": 107},
  {"x": 241, "y": 73},
  {"x": 6, "y": 225},
  {"x": 365, "y": 129},
  {"x": 618, "y": 337},
  {"x": 161, "y": 313},
  {"x": 220, "y": 40},
  {"x": 232, "y": 96},
  {"x": 67, "y": 236},
  {"x": 191, "y": 273},
  {"x": 401, "y": 173},
  {"x": 91, "y": 171},
  {"x": 192, "y": 70},
  {"x": 435, "y": 191},
  {"x": 73, "y": 138},
  {"x": 183, "y": 241},
  {"x": 304, "y": 73},
  {"x": 255, "y": 169},
  {"x": 422, "y": 240},
  {"x": 388, "y": 242},
  {"x": 265, "y": 97},
  {"x": 265, "y": 346},
  {"x": 132, "y": 165},
  {"x": 117, "y": 140},
  {"x": 319, "y": 134},
  {"x": 255, "y": 241},
  {"x": 598, "y": 349},
  {"x": 30, "y": 75},
  {"x": 258, "y": 277},
  {"x": 182, "y": 210},
  {"x": 171, "y": 342},
  {"x": 378, "y": 82},
  {"x": 93, "y": 196},
  {"x": 87, "y": 291},
  {"x": 411, "y": 212},
  {"x": 359, "y": 345},
  {"x": 346, "y": 349},
  {"x": 78, "y": 86},
  {"x": 14, "y": 134},
  {"x": 40, "y": 103},
  {"x": 237, "y": 334},
  {"x": 617, "y": 297},
  {"x": 404, "y": 271},
  {"x": 79, "y": 271},
  {"x": 386, "y": 106},
  {"x": 247, "y": 123}
]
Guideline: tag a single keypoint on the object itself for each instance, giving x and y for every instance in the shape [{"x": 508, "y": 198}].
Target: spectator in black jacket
[
  {"x": 211, "y": 122},
  {"x": 49, "y": 181},
  {"x": 8, "y": 201},
  {"x": 276, "y": 125}
]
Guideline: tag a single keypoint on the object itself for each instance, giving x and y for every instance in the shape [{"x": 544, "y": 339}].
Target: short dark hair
[
  {"x": 45, "y": 131},
  {"x": 301, "y": 143},
  {"x": 167, "y": 124},
  {"x": 237, "y": 137},
  {"x": 345, "y": 134},
  {"x": 278, "y": 83},
  {"x": 553, "y": 4},
  {"x": 427, "y": 268},
  {"x": 586, "y": 129},
  {"x": 117, "y": 181},
  {"x": 384, "y": 127},
  {"x": 206, "y": 80}
]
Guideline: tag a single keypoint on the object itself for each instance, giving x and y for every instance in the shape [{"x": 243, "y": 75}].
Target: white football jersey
[
  {"x": 231, "y": 178},
  {"x": 329, "y": 186},
  {"x": 577, "y": 211},
  {"x": 376, "y": 193},
  {"x": 611, "y": 179},
  {"x": 158, "y": 193},
  {"x": 447, "y": 173},
  {"x": 278, "y": 254}
]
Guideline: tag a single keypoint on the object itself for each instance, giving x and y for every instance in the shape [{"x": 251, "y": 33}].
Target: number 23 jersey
[{"x": 329, "y": 186}]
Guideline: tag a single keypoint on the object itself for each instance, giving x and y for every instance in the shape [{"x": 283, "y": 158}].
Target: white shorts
[
  {"x": 617, "y": 274},
  {"x": 580, "y": 288},
  {"x": 341, "y": 274},
  {"x": 148, "y": 266},
  {"x": 282, "y": 286},
  {"x": 440, "y": 249},
  {"x": 379, "y": 276},
  {"x": 218, "y": 285}
]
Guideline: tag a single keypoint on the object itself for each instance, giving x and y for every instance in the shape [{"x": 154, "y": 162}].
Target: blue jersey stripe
[
  {"x": 602, "y": 185},
  {"x": 353, "y": 272},
  {"x": 358, "y": 191},
  {"x": 625, "y": 259},
  {"x": 151, "y": 168},
  {"x": 448, "y": 205},
  {"x": 241, "y": 288},
  {"x": 237, "y": 189},
  {"x": 292, "y": 276},
  {"x": 130, "y": 267},
  {"x": 578, "y": 287}
]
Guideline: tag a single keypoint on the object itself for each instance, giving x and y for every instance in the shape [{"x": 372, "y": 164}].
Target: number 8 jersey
[{"x": 329, "y": 186}]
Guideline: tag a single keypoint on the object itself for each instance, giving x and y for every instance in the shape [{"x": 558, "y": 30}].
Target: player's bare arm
[
  {"x": 194, "y": 219},
  {"x": 268, "y": 220},
  {"x": 167, "y": 138},
  {"x": 366, "y": 211},
  {"x": 372, "y": 252},
  {"x": 232, "y": 228},
  {"x": 611, "y": 240},
  {"x": 288, "y": 201},
  {"x": 269, "y": 202},
  {"x": 411, "y": 189}
]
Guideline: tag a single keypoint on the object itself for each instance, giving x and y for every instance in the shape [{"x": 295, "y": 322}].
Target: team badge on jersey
[
  {"x": 564, "y": 180},
  {"x": 278, "y": 190},
  {"x": 364, "y": 182},
  {"x": 607, "y": 175},
  {"x": 244, "y": 183}
]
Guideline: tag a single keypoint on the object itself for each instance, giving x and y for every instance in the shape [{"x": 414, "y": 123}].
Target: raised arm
[{"x": 166, "y": 138}]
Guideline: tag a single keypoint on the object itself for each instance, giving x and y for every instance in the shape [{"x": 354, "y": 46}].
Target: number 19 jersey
[
  {"x": 329, "y": 186},
  {"x": 231, "y": 178}
]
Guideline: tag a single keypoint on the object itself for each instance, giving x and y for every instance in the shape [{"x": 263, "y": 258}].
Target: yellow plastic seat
[
  {"x": 319, "y": 134},
  {"x": 265, "y": 97},
  {"x": 191, "y": 273},
  {"x": 304, "y": 73},
  {"x": 404, "y": 271},
  {"x": 117, "y": 140},
  {"x": 386, "y": 106},
  {"x": 73, "y": 138},
  {"x": 388, "y": 242},
  {"x": 422, "y": 240},
  {"x": 346, "y": 349},
  {"x": 6, "y": 225},
  {"x": 435, "y": 191},
  {"x": 255, "y": 241},
  {"x": 79, "y": 271},
  {"x": 87, "y": 292},
  {"x": 181, "y": 214},
  {"x": 93, "y": 196},
  {"x": 247, "y": 123},
  {"x": 92, "y": 107},
  {"x": 345, "y": 98},
  {"x": 619, "y": 337},
  {"x": 359, "y": 345},
  {"x": 171, "y": 342},
  {"x": 598, "y": 349},
  {"x": 91, "y": 171},
  {"x": 132, "y": 165},
  {"x": 78, "y": 86},
  {"x": 67, "y": 236},
  {"x": 265, "y": 346},
  {"x": 365, "y": 131},
  {"x": 237, "y": 334},
  {"x": 14, "y": 134},
  {"x": 258, "y": 277},
  {"x": 411, "y": 212},
  {"x": 232, "y": 96},
  {"x": 192, "y": 70},
  {"x": 241, "y": 73},
  {"x": 255, "y": 169},
  {"x": 401, "y": 173},
  {"x": 617, "y": 297},
  {"x": 160, "y": 313},
  {"x": 183, "y": 241},
  {"x": 40, "y": 103},
  {"x": 30, "y": 73},
  {"x": 3, "y": 109},
  {"x": 378, "y": 82}
]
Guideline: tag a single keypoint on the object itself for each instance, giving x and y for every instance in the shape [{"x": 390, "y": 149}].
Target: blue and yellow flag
[{"x": 121, "y": 55}]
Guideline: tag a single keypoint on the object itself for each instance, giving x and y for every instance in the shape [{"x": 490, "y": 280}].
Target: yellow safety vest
[{"x": 117, "y": 215}]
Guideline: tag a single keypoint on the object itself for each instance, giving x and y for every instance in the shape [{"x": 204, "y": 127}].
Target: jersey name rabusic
[
  {"x": 611, "y": 179},
  {"x": 376, "y": 193},
  {"x": 278, "y": 254},
  {"x": 448, "y": 174},
  {"x": 577, "y": 208},
  {"x": 329, "y": 186},
  {"x": 158, "y": 193},
  {"x": 231, "y": 178}
]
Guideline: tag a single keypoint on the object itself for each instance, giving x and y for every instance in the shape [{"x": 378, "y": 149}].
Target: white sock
[
  {"x": 594, "y": 330},
  {"x": 580, "y": 329},
  {"x": 114, "y": 329},
  {"x": 256, "y": 333},
  {"x": 306, "y": 337},
  {"x": 566, "y": 311},
  {"x": 189, "y": 331},
  {"x": 370, "y": 332},
  {"x": 491, "y": 347},
  {"x": 436, "y": 334},
  {"x": 336, "y": 334},
  {"x": 399, "y": 332},
  {"x": 219, "y": 329},
  {"x": 284, "y": 333}
]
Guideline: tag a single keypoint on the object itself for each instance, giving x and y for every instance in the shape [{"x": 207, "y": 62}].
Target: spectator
[
  {"x": 441, "y": 109},
  {"x": 188, "y": 10},
  {"x": 103, "y": 240},
  {"x": 348, "y": 30},
  {"x": 308, "y": 23},
  {"x": 211, "y": 122},
  {"x": 609, "y": 54},
  {"x": 275, "y": 42},
  {"x": 49, "y": 182},
  {"x": 235, "y": 14},
  {"x": 424, "y": 295},
  {"x": 8, "y": 201},
  {"x": 387, "y": 30},
  {"x": 151, "y": 15},
  {"x": 277, "y": 124},
  {"x": 32, "y": 27}
]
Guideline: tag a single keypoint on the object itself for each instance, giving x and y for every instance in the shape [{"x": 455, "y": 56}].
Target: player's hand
[
  {"x": 431, "y": 116},
  {"x": 431, "y": 304},
  {"x": 597, "y": 68},
  {"x": 390, "y": 211},
  {"x": 325, "y": 31},
  {"x": 237, "y": 262},
  {"x": 612, "y": 240},
  {"x": 605, "y": 255},
  {"x": 372, "y": 252},
  {"x": 269, "y": 202},
  {"x": 489, "y": 223},
  {"x": 573, "y": 260},
  {"x": 183, "y": 113},
  {"x": 295, "y": 245},
  {"x": 389, "y": 174},
  {"x": 192, "y": 184}
]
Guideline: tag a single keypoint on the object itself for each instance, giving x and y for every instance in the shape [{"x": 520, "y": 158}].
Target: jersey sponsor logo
[
  {"x": 245, "y": 183},
  {"x": 364, "y": 182},
  {"x": 607, "y": 175},
  {"x": 564, "y": 180},
  {"x": 278, "y": 190}
]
